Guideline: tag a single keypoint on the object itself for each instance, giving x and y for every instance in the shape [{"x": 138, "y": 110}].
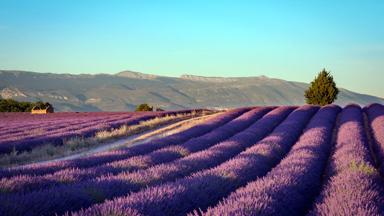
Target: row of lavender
[
  {"x": 351, "y": 184},
  {"x": 42, "y": 127},
  {"x": 23, "y": 136},
  {"x": 204, "y": 132},
  {"x": 208, "y": 186},
  {"x": 126, "y": 152},
  {"x": 69, "y": 197},
  {"x": 16, "y": 122},
  {"x": 166, "y": 153},
  {"x": 262, "y": 161}
]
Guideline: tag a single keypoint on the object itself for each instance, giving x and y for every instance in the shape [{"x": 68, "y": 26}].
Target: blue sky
[{"x": 291, "y": 40}]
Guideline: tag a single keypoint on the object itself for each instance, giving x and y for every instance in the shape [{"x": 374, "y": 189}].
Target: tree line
[{"x": 10, "y": 105}]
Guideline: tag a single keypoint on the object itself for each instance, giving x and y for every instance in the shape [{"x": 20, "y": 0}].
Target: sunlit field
[{"x": 246, "y": 161}]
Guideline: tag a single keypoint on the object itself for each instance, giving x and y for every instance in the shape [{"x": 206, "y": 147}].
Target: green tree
[
  {"x": 144, "y": 107},
  {"x": 323, "y": 90},
  {"x": 9, "y": 105}
]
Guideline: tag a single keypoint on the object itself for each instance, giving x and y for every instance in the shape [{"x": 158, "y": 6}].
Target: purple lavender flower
[
  {"x": 207, "y": 187},
  {"x": 105, "y": 157},
  {"x": 375, "y": 114},
  {"x": 354, "y": 186},
  {"x": 290, "y": 187},
  {"x": 28, "y": 183}
]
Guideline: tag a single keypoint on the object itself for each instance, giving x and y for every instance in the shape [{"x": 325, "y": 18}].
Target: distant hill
[{"x": 124, "y": 90}]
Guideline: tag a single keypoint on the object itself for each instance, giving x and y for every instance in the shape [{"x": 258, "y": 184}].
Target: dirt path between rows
[{"x": 132, "y": 140}]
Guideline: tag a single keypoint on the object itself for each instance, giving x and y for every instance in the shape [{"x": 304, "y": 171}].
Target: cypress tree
[{"x": 322, "y": 90}]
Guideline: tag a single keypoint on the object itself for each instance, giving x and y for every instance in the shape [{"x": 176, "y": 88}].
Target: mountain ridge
[{"x": 124, "y": 90}]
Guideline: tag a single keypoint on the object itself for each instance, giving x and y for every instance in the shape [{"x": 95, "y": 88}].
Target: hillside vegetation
[{"x": 9, "y": 105}]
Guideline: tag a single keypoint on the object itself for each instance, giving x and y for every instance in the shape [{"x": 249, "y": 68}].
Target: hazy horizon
[{"x": 286, "y": 40}]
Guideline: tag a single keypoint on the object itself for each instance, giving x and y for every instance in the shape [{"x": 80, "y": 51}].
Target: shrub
[
  {"x": 144, "y": 107},
  {"x": 42, "y": 105}
]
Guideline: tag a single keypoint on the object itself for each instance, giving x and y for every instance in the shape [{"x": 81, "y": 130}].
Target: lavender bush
[
  {"x": 354, "y": 186},
  {"x": 290, "y": 187},
  {"x": 63, "y": 198},
  {"x": 247, "y": 161},
  {"x": 207, "y": 187},
  {"x": 27, "y": 140},
  {"x": 166, "y": 154},
  {"x": 375, "y": 114},
  {"x": 123, "y": 153}
]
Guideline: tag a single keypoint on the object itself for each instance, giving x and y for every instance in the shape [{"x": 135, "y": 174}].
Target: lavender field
[
  {"x": 285, "y": 160},
  {"x": 23, "y": 131}
]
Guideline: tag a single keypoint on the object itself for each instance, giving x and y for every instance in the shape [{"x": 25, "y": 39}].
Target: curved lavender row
[
  {"x": 52, "y": 127},
  {"x": 58, "y": 137},
  {"x": 375, "y": 114},
  {"x": 15, "y": 118},
  {"x": 12, "y": 135},
  {"x": 16, "y": 121},
  {"x": 166, "y": 154},
  {"x": 290, "y": 187},
  {"x": 205, "y": 188},
  {"x": 135, "y": 120},
  {"x": 123, "y": 153},
  {"x": 354, "y": 187},
  {"x": 52, "y": 123},
  {"x": 73, "y": 197},
  {"x": 163, "y": 155},
  {"x": 26, "y": 142},
  {"x": 72, "y": 120},
  {"x": 18, "y": 128},
  {"x": 22, "y": 124},
  {"x": 73, "y": 123}
]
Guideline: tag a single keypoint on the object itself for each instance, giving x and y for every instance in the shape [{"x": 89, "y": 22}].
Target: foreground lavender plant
[
  {"x": 207, "y": 187},
  {"x": 191, "y": 172},
  {"x": 375, "y": 114},
  {"x": 166, "y": 154},
  {"x": 290, "y": 187},
  {"x": 67, "y": 197},
  {"x": 354, "y": 187},
  {"x": 60, "y": 199},
  {"x": 105, "y": 157}
]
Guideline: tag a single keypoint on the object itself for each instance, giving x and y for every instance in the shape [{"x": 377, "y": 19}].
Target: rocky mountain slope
[{"x": 124, "y": 90}]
